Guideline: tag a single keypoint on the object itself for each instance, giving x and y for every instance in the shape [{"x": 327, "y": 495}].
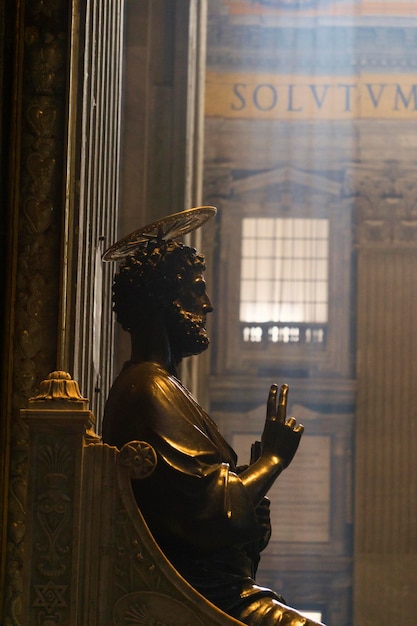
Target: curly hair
[{"x": 148, "y": 281}]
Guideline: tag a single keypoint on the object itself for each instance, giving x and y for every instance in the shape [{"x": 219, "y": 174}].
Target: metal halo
[{"x": 169, "y": 227}]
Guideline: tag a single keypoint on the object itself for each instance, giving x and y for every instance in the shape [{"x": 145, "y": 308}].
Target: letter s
[{"x": 241, "y": 105}]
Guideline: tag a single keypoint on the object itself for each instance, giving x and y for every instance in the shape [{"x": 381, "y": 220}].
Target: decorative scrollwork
[
  {"x": 140, "y": 457},
  {"x": 53, "y": 511},
  {"x": 50, "y": 596}
]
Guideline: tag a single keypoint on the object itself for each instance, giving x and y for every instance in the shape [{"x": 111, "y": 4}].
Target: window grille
[{"x": 284, "y": 280}]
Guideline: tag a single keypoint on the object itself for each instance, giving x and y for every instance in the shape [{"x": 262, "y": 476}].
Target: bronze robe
[{"x": 194, "y": 503}]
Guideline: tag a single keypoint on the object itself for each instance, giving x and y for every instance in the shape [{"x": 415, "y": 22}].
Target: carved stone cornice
[
  {"x": 385, "y": 200},
  {"x": 268, "y": 44}
]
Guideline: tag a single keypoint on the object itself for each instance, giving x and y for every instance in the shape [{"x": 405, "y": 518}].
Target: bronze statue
[{"x": 209, "y": 516}]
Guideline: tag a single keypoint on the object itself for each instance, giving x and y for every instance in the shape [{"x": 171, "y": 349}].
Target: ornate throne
[{"x": 90, "y": 559}]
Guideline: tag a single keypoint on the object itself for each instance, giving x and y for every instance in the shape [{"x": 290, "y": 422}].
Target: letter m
[{"x": 406, "y": 100}]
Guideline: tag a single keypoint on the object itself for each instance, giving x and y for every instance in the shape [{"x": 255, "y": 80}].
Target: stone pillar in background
[{"x": 385, "y": 557}]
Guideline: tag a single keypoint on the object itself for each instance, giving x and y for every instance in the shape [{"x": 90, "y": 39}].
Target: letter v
[
  {"x": 376, "y": 99},
  {"x": 319, "y": 101}
]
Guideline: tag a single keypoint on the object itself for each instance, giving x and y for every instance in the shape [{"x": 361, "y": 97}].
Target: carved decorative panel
[{"x": 385, "y": 200}]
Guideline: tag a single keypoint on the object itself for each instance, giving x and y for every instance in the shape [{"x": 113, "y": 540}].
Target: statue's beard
[{"x": 188, "y": 332}]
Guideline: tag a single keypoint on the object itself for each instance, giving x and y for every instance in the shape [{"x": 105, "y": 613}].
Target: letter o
[{"x": 256, "y": 94}]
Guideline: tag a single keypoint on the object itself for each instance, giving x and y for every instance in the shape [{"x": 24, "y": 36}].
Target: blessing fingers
[{"x": 292, "y": 423}]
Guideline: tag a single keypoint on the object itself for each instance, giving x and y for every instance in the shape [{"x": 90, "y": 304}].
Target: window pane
[
  {"x": 248, "y": 268},
  {"x": 263, "y": 290},
  {"x": 265, "y": 248},
  {"x": 265, "y": 227},
  {"x": 320, "y": 313},
  {"x": 265, "y": 269},
  {"x": 248, "y": 248},
  {"x": 248, "y": 291},
  {"x": 248, "y": 227}
]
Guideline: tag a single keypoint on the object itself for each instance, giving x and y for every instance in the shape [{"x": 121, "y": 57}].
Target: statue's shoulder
[
  {"x": 144, "y": 370},
  {"x": 142, "y": 400},
  {"x": 146, "y": 380}
]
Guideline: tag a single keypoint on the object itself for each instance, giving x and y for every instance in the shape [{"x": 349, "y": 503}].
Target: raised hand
[
  {"x": 280, "y": 440},
  {"x": 281, "y": 436}
]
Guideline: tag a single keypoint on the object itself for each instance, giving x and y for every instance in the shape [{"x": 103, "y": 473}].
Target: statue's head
[{"x": 164, "y": 279}]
